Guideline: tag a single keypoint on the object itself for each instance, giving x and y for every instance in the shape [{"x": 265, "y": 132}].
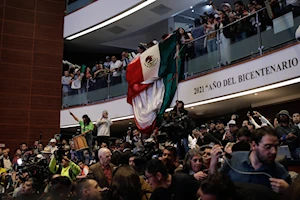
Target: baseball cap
[
  {"x": 231, "y": 122},
  {"x": 52, "y": 140},
  {"x": 226, "y": 4}
]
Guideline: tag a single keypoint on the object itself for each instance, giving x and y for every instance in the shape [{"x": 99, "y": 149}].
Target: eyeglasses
[
  {"x": 195, "y": 160},
  {"x": 147, "y": 177},
  {"x": 269, "y": 146}
]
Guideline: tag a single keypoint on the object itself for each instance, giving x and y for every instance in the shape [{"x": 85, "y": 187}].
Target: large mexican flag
[{"x": 152, "y": 82}]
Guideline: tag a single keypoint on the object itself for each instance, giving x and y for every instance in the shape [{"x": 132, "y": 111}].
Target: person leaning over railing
[{"x": 65, "y": 168}]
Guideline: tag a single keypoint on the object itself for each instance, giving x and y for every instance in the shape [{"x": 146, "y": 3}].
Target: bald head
[{"x": 104, "y": 155}]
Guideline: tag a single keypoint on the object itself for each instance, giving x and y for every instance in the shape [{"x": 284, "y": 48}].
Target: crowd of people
[
  {"x": 243, "y": 24},
  {"x": 221, "y": 161},
  {"x": 200, "y": 39}
]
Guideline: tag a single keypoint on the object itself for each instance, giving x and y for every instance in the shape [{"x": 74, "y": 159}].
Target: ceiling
[
  {"x": 130, "y": 26},
  {"x": 213, "y": 110}
]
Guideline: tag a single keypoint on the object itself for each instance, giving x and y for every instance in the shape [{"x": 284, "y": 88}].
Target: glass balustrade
[
  {"x": 73, "y": 5},
  {"x": 218, "y": 51}
]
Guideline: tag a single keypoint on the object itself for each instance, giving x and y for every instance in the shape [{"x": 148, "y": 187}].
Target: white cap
[
  {"x": 226, "y": 4},
  {"x": 53, "y": 140},
  {"x": 104, "y": 111},
  {"x": 231, "y": 122}
]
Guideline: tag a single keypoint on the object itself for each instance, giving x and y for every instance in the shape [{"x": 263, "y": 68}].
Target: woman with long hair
[
  {"x": 87, "y": 128},
  {"x": 186, "y": 38},
  {"x": 193, "y": 165}
]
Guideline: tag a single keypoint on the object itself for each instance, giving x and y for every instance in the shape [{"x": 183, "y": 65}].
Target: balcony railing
[
  {"x": 262, "y": 38},
  {"x": 73, "y": 5}
]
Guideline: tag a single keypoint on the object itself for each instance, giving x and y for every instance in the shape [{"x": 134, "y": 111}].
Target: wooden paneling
[
  {"x": 47, "y": 60},
  {"x": 46, "y": 88},
  {"x": 1, "y": 11},
  {"x": 19, "y": 15},
  {"x": 17, "y": 43},
  {"x": 50, "y": 7},
  {"x": 16, "y": 86},
  {"x": 49, "y": 20},
  {"x": 46, "y": 74},
  {"x": 10, "y": 117},
  {"x": 49, "y": 33},
  {"x": 17, "y": 28},
  {"x": 46, "y": 46},
  {"x": 22, "y": 4},
  {"x": 16, "y": 71},
  {"x": 42, "y": 117},
  {"x": 39, "y": 102},
  {"x": 47, "y": 132},
  {"x": 16, "y": 57},
  {"x": 30, "y": 63},
  {"x": 14, "y": 101},
  {"x": 9, "y": 132}
]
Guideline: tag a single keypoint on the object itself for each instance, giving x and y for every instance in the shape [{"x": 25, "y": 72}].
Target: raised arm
[
  {"x": 262, "y": 119},
  {"x": 74, "y": 116}
]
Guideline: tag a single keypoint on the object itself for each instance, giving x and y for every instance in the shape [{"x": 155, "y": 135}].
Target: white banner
[{"x": 273, "y": 68}]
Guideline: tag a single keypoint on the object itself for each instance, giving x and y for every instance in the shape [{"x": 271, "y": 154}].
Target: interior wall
[{"x": 31, "y": 49}]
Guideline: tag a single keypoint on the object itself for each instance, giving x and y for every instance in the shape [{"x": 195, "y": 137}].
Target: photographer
[{"x": 66, "y": 168}]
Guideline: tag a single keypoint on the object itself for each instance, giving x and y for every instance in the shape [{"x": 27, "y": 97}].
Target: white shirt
[
  {"x": 53, "y": 149},
  {"x": 116, "y": 65},
  {"x": 7, "y": 163},
  {"x": 107, "y": 64},
  {"x": 103, "y": 125}
]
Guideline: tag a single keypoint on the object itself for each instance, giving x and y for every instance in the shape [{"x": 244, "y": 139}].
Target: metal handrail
[{"x": 203, "y": 36}]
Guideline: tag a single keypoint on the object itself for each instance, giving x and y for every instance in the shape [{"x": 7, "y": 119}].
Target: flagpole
[{"x": 177, "y": 75}]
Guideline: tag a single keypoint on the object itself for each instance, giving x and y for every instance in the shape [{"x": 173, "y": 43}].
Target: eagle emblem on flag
[{"x": 150, "y": 61}]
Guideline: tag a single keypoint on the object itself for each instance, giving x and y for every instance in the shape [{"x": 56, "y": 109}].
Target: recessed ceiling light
[
  {"x": 191, "y": 7},
  {"x": 255, "y": 94},
  {"x": 193, "y": 11},
  {"x": 192, "y": 108},
  {"x": 112, "y": 20}
]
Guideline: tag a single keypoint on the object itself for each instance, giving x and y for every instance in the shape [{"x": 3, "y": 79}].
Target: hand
[
  {"x": 233, "y": 117},
  {"x": 128, "y": 132},
  {"x": 216, "y": 153},
  {"x": 278, "y": 185},
  {"x": 200, "y": 176},
  {"x": 256, "y": 114},
  {"x": 291, "y": 135},
  {"x": 249, "y": 115},
  {"x": 66, "y": 158}
]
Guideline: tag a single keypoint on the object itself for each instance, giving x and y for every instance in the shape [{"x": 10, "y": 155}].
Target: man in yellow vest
[{"x": 66, "y": 168}]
